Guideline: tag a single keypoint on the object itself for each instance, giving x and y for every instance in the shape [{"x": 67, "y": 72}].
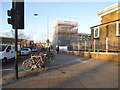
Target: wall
[
  {"x": 96, "y": 55},
  {"x": 111, "y": 31},
  {"x": 110, "y": 17},
  {"x": 103, "y": 32},
  {"x": 92, "y": 35}
]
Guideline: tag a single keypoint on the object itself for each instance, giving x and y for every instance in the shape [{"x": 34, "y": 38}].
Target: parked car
[
  {"x": 25, "y": 51},
  {"x": 7, "y": 51},
  {"x": 34, "y": 49}
]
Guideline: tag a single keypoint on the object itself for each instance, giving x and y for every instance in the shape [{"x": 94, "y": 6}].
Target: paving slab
[{"x": 70, "y": 71}]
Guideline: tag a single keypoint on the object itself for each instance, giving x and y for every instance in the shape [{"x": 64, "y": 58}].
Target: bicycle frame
[{"x": 41, "y": 59}]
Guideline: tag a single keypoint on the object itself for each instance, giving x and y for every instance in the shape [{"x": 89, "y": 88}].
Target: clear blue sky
[{"x": 86, "y": 12}]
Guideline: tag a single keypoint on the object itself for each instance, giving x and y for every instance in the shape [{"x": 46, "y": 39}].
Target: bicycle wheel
[
  {"x": 51, "y": 62},
  {"x": 27, "y": 65},
  {"x": 53, "y": 55}
]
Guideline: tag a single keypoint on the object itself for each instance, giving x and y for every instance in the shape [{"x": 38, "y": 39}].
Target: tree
[
  {"x": 28, "y": 37},
  {"x": 21, "y": 37}
]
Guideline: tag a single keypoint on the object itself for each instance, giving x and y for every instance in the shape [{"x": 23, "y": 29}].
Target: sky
[{"x": 36, "y": 26}]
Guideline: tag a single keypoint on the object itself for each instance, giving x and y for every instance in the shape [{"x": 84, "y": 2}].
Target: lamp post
[{"x": 47, "y": 41}]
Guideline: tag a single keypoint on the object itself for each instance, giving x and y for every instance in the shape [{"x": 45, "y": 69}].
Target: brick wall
[
  {"x": 119, "y": 14},
  {"x": 110, "y": 17},
  {"x": 111, "y": 31},
  {"x": 96, "y": 55},
  {"x": 102, "y": 32},
  {"x": 113, "y": 39},
  {"x": 92, "y": 35}
]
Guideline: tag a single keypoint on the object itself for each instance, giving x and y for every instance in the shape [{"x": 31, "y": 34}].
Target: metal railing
[{"x": 107, "y": 45}]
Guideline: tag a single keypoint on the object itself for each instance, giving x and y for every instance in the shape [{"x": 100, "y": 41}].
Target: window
[
  {"x": 96, "y": 32},
  {"x": 80, "y": 38},
  {"x": 8, "y": 49},
  {"x": 2, "y": 47},
  {"x": 118, "y": 29}
]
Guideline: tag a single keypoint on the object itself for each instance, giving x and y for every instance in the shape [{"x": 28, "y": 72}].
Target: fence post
[
  {"x": 78, "y": 48},
  {"x": 106, "y": 44},
  {"x": 85, "y": 46},
  {"x": 73, "y": 46},
  {"x": 94, "y": 45}
]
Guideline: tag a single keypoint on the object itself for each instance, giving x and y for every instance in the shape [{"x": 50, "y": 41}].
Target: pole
[
  {"x": 47, "y": 27},
  {"x": 78, "y": 47},
  {"x": 85, "y": 46},
  {"x": 16, "y": 61},
  {"x": 73, "y": 46},
  {"x": 107, "y": 38},
  {"x": 106, "y": 44},
  {"x": 47, "y": 30},
  {"x": 94, "y": 45}
]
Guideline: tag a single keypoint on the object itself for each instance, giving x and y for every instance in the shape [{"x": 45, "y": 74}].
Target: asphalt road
[{"x": 10, "y": 65}]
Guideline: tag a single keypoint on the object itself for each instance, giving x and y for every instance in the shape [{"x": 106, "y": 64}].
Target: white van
[{"x": 7, "y": 51}]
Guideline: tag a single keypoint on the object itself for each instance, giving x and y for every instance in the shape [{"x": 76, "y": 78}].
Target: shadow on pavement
[{"x": 58, "y": 66}]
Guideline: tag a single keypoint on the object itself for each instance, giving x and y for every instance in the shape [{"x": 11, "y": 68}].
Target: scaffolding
[{"x": 65, "y": 31}]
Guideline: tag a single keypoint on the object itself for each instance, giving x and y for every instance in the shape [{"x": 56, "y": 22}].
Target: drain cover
[{"x": 63, "y": 72}]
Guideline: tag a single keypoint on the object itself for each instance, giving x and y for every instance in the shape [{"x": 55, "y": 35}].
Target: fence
[{"x": 108, "y": 45}]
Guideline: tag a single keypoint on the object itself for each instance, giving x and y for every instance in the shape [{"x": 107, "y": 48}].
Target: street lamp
[{"x": 47, "y": 41}]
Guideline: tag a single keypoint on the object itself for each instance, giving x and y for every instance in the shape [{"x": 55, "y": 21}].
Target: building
[
  {"x": 106, "y": 35},
  {"x": 65, "y": 32},
  {"x": 10, "y": 40},
  {"x": 82, "y": 37},
  {"x": 43, "y": 44}
]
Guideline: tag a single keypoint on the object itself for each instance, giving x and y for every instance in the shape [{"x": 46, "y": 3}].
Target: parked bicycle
[{"x": 42, "y": 60}]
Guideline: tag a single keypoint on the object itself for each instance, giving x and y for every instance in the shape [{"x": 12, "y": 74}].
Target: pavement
[{"x": 69, "y": 71}]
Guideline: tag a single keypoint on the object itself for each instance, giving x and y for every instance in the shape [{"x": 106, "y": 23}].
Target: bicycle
[
  {"x": 50, "y": 59},
  {"x": 40, "y": 61}
]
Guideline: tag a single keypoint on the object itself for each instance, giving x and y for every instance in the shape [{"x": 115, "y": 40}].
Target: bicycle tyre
[
  {"x": 27, "y": 65},
  {"x": 51, "y": 62}
]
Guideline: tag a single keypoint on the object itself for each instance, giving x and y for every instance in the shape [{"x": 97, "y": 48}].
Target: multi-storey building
[
  {"x": 65, "y": 31},
  {"x": 82, "y": 37}
]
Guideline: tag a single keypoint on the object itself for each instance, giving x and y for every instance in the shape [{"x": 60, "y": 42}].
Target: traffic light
[
  {"x": 20, "y": 15},
  {"x": 12, "y": 14},
  {"x": 47, "y": 40},
  {"x": 17, "y": 15}
]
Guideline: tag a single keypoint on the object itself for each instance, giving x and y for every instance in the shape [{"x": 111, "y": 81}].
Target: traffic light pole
[
  {"x": 17, "y": 21},
  {"x": 16, "y": 56}
]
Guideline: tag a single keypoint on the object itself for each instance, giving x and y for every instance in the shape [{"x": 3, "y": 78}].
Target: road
[
  {"x": 72, "y": 71},
  {"x": 10, "y": 65}
]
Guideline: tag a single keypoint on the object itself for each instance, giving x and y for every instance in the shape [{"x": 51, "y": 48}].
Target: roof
[
  {"x": 115, "y": 6},
  {"x": 105, "y": 23},
  {"x": 84, "y": 34},
  {"x": 8, "y": 39}
]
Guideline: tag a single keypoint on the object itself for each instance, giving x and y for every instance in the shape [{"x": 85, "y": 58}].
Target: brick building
[{"x": 106, "y": 35}]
